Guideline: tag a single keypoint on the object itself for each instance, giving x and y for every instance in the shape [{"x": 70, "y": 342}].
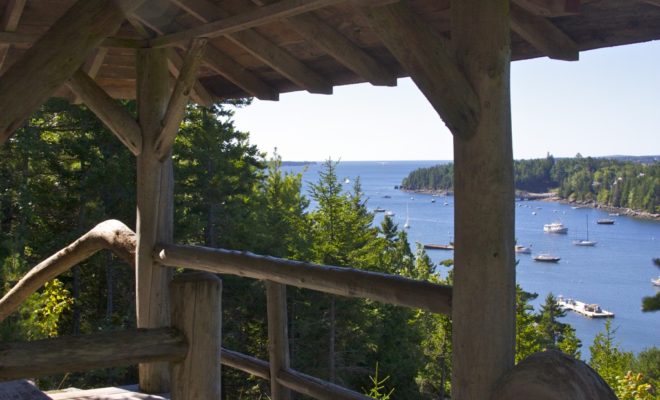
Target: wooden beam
[
  {"x": 550, "y": 8},
  {"x": 349, "y": 282},
  {"x": 222, "y": 64},
  {"x": 82, "y": 353},
  {"x": 245, "y": 363},
  {"x": 652, "y": 2},
  {"x": 154, "y": 209},
  {"x": 111, "y": 235},
  {"x": 325, "y": 37},
  {"x": 423, "y": 53},
  {"x": 278, "y": 338},
  {"x": 237, "y": 23},
  {"x": 484, "y": 308},
  {"x": 260, "y": 47},
  {"x": 317, "y": 388},
  {"x": 10, "y": 18},
  {"x": 24, "y": 40},
  {"x": 179, "y": 98},
  {"x": 54, "y": 58},
  {"x": 543, "y": 34},
  {"x": 199, "y": 93},
  {"x": 111, "y": 113},
  {"x": 197, "y": 312}
]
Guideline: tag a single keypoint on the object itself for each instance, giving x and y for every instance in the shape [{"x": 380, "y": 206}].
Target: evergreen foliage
[
  {"x": 64, "y": 172},
  {"x": 608, "y": 182}
]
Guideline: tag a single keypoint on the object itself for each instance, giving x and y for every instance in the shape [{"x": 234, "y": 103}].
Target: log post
[
  {"x": 154, "y": 209},
  {"x": 197, "y": 312},
  {"x": 278, "y": 338},
  {"x": 483, "y": 309}
]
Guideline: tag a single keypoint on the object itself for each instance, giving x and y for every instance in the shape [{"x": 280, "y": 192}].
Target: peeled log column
[
  {"x": 483, "y": 310},
  {"x": 197, "y": 312},
  {"x": 154, "y": 209}
]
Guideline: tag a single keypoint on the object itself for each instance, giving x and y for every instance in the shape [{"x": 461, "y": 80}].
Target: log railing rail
[{"x": 167, "y": 344}]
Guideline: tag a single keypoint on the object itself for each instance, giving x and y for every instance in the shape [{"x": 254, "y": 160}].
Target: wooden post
[
  {"x": 278, "y": 338},
  {"x": 197, "y": 312},
  {"x": 483, "y": 309},
  {"x": 154, "y": 209}
]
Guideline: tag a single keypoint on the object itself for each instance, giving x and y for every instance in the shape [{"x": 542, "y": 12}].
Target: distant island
[
  {"x": 625, "y": 184},
  {"x": 297, "y": 163}
]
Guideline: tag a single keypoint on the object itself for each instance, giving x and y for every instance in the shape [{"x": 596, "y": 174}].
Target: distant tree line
[
  {"x": 64, "y": 172},
  {"x": 609, "y": 182}
]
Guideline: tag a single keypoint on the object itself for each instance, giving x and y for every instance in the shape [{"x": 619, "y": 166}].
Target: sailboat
[
  {"x": 407, "y": 224},
  {"x": 585, "y": 242}
]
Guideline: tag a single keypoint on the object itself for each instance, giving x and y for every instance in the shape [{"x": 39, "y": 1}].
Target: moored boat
[
  {"x": 555, "y": 227},
  {"x": 439, "y": 246},
  {"x": 656, "y": 281},
  {"x": 589, "y": 310},
  {"x": 605, "y": 221},
  {"x": 389, "y": 213},
  {"x": 585, "y": 242},
  {"x": 545, "y": 257},
  {"x": 523, "y": 249},
  {"x": 379, "y": 209}
]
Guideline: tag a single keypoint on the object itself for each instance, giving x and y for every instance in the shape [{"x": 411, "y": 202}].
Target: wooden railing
[{"x": 196, "y": 316}]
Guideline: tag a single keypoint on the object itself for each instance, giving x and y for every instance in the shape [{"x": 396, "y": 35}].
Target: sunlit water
[{"x": 616, "y": 273}]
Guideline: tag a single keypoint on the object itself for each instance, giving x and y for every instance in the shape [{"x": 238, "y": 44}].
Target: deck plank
[{"x": 108, "y": 393}]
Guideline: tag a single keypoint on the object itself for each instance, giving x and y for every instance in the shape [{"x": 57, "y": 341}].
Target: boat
[
  {"x": 387, "y": 196},
  {"x": 390, "y": 213},
  {"x": 439, "y": 246},
  {"x": 407, "y": 224},
  {"x": 555, "y": 227},
  {"x": 605, "y": 221},
  {"x": 545, "y": 257},
  {"x": 522, "y": 249},
  {"x": 432, "y": 200},
  {"x": 589, "y": 310},
  {"x": 379, "y": 209},
  {"x": 585, "y": 242},
  {"x": 347, "y": 181},
  {"x": 614, "y": 214},
  {"x": 656, "y": 281}
]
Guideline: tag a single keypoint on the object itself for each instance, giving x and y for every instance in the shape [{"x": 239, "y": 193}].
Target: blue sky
[{"x": 607, "y": 103}]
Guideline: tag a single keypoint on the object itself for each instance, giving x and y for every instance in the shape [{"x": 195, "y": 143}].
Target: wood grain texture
[
  {"x": 317, "y": 388},
  {"x": 154, "y": 198},
  {"x": 349, "y": 282},
  {"x": 10, "y": 18},
  {"x": 115, "y": 117},
  {"x": 550, "y": 8},
  {"x": 425, "y": 56},
  {"x": 110, "y": 235},
  {"x": 54, "y": 58},
  {"x": 543, "y": 34},
  {"x": 483, "y": 312},
  {"x": 278, "y": 338},
  {"x": 82, "y": 353},
  {"x": 176, "y": 107},
  {"x": 197, "y": 312}
]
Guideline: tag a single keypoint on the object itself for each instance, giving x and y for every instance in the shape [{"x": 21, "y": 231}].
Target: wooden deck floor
[{"x": 24, "y": 390}]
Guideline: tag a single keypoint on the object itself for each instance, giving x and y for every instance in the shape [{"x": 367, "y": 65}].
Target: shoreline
[{"x": 554, "y": 198}]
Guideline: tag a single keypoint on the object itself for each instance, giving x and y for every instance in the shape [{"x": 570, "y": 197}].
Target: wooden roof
[{"x": 263, "y": 47}]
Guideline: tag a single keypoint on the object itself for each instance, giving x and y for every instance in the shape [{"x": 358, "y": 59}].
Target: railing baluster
[{"x": 278, "y": 338}]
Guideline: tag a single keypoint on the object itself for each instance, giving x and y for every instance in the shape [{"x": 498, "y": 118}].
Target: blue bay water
[{"x": 616, "y": 273}]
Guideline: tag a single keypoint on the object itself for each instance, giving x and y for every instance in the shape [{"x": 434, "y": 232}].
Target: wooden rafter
[
  {"x": 10, "y": 18},
  {"x": 222, "y": 64},
  {"x": 179, "y": 98},
  {"x": 237, "y": 23},
  {"x": 550, "y": 8},
  {"x": 113, "y": 115},
  {"x": 260, "y": 47},
  {"x": 52, "y": 60},
  {"x": 422, "y": 52},
  {"x": 27, "y": 39},
  {"x": 324, "y": 36},
  {"x": 652, "y": 2},
  {"x": 543, "y": 34}
]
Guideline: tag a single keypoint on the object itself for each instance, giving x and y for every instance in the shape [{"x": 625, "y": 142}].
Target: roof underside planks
[{"x": 283, "y": 55}]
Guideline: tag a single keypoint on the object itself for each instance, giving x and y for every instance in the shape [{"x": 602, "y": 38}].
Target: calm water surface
[{"x": 616, "y": 273}]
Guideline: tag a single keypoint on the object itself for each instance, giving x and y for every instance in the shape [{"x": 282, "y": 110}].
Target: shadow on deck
[{"x": 25, "y": 390}]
